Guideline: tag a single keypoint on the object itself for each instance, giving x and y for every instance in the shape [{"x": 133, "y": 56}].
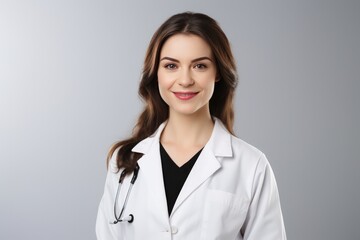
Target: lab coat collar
[
  {"x": 209, "y": 162},
  {"x": 219, "y": 142}
]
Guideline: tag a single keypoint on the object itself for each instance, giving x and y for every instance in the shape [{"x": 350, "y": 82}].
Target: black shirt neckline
[{"x": 174, "y": 176}]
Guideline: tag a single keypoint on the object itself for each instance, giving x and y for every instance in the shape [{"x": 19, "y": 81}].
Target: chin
[{"x": 188, "y": 111}]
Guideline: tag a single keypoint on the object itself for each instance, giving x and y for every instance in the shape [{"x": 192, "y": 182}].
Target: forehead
[{"x": 185, "y": 46}]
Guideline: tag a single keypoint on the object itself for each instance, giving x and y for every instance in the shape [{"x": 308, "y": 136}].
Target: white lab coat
[{"x": 229, "y": 194}]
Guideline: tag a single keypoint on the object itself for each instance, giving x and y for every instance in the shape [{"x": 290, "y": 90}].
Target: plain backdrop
[{"x": 69, "y": 73}]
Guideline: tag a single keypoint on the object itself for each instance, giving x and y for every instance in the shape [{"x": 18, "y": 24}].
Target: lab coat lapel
[
  {"x": 150, "y": 167},
  {"x": 205, "y": 166},
  {"x": 209, "y": 161}
]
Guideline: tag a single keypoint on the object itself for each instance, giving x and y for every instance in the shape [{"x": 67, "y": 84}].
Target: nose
[{"x": 186, "y": 79}]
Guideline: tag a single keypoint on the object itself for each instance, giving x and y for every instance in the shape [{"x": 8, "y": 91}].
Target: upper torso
[{"x": 214, "y": 202}]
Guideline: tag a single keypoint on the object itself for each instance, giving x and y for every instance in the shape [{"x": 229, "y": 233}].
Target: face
[{"x": 186, "y": 74}]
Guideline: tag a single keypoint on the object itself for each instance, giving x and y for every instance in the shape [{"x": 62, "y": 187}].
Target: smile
[{"x": 185, "y": 95}]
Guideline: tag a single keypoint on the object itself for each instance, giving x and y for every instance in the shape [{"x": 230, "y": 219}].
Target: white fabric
[{"x": 230, "y": 193}]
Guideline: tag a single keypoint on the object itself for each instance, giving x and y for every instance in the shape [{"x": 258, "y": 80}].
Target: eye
[
  {"x": 170, "y": 66},
  {"x": 200, "y": 66}
]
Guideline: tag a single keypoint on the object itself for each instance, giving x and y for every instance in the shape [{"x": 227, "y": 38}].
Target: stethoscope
[{"x": 120, "y": 218}]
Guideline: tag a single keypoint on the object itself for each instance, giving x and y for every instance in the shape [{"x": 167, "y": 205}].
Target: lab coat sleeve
[
  {"x": 264, "y": 220},
  {"x": 105, "y": 230}
]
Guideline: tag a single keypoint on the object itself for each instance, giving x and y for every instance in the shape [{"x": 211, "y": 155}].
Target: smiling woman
[{"x": 194, "y": 178}]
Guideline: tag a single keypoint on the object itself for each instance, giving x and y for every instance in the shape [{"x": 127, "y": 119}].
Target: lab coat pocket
[{"x": 223, "y": 215}]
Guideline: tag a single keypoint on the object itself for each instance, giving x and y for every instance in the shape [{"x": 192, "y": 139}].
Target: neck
[{"x": 188, "y": 130}]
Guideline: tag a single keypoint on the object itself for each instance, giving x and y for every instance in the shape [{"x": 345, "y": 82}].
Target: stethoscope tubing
[{"x": 119, "y": 218}]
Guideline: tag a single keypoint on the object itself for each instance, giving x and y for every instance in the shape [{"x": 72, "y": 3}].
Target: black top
[{"x": 174, "y": 176}]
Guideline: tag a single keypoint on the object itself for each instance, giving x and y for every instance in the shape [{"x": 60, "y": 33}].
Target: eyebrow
[{"x": 194, "y": 60}]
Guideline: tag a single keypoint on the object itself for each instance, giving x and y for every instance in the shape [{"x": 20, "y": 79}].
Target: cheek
[
  {"x": 164, "y": 80},
  {"x": 208, "y": 84},
  {"x": 162, "y": 93},
  {"x": 210, "y": 91},
  {"x": 163, "y": 86}
]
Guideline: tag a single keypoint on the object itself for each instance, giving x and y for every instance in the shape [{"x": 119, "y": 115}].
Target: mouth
[{"x": 185, "y": 95}]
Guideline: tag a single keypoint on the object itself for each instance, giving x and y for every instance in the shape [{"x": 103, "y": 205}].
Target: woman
[{"x": 193, "y": 178}]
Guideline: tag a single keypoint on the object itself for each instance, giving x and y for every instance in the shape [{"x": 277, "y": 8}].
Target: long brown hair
[{"x": 156, "y": 110}]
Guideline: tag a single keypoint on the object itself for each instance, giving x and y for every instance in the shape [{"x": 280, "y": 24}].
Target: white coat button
[{"x": 174, "y": 230}]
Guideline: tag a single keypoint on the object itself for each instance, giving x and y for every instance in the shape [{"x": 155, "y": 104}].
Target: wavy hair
[{"x": 156, "y": 110}]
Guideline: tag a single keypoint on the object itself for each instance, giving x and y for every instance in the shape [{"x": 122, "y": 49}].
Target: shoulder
[
  {"x": 232, "y": 146},
  {"x": 241, "y": 147},
  {"x": 249, "y": 155},
  {"x": 243, "y": 162},
  {"x": 236, "y": 153}
]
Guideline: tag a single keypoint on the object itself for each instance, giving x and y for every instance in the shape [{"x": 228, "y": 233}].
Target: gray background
[{"x": 69, "y": 72}]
